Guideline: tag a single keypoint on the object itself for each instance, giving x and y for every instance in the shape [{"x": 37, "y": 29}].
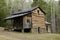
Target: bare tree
[
  {"x": 17, "y": 5},
  {"x": 53, "y": 17},
  {"x": 59, "y": 2}
]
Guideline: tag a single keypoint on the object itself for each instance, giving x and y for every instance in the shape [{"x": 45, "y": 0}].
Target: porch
[{"x": 20, "y": 22}]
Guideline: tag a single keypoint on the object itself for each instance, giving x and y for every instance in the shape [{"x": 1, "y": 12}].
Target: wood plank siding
[
  {"x": 38, "y": 20},
  {"x": 27, "y": 21}
]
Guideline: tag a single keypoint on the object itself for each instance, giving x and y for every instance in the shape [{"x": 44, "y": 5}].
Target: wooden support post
[{"x": 22, "y": 30}]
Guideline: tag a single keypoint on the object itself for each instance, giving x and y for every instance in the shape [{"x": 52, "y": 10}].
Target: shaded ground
[{"x": 5, "y": 35}]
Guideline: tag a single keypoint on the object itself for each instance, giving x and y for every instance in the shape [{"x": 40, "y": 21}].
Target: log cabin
[{"x": 31, "y": 20}]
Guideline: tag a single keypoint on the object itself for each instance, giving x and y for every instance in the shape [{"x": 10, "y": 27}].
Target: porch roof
[
  {"x": 14, "y": 16},
  {"x": 47, "y": 23}
]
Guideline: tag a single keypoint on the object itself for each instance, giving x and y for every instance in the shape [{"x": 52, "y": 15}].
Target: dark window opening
[
  {"x": 28, "y": 21},
  {"x": 38, "y": 12}
]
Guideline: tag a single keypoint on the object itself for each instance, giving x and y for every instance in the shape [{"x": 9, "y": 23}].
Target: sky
[
  {"x": 56, "y": 0},
  {"x": 29, "y": 0}
]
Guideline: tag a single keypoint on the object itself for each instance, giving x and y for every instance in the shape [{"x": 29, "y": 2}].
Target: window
[
  {"x": 28, "y": 21},
  {"x": 38, "y": 12}
]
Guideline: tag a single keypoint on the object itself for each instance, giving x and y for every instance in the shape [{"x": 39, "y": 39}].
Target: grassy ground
[
  {"x": 4, "y": 35},
  {"x": 32, "y": 37}
]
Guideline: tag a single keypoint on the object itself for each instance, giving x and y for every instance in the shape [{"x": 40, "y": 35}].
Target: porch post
[{"x": 23, "y": 30}]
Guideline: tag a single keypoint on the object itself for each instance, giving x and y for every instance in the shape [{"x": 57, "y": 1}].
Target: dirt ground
[{"x": 5, "y": 35}]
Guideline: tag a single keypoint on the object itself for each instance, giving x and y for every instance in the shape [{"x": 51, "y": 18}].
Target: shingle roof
[
  {"x": 29, "y": 10},
  {"x": 24, "y": 12}
]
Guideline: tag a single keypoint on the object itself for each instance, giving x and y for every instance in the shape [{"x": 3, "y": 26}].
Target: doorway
[
  {"x": 27, "y": 30},
  {"x": 47, "y": 28},
  {"x": 38, "y": 29}
]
